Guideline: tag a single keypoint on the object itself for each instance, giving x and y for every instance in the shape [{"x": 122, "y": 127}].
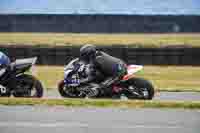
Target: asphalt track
[
  {"x": 174, "y": 96},
  {"x": 43, "y": 119}
]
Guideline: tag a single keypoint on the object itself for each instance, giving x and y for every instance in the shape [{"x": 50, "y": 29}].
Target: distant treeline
[{"x": 99, "y": 23}]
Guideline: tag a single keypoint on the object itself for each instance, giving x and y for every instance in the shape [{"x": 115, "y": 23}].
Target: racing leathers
[
  {"x": 104, "y": 70},
  {"x": 90, "y": 78},
  {"x": 111, "y": 67}
]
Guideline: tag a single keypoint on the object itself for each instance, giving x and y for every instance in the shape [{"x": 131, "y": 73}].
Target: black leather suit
[{"x": 105, "y": 69}]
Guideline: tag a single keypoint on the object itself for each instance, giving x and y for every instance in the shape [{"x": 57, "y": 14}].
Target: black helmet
[{"x": 87, "y": 52}]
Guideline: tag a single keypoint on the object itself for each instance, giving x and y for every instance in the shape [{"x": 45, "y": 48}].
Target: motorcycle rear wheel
[
  {"x": 141, "y": 85},
  {"x": 8, "y": 94},
  {"x": 35, "y": 87}
]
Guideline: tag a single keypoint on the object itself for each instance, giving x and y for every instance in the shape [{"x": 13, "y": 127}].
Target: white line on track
[{"x": 84, "y": 125}]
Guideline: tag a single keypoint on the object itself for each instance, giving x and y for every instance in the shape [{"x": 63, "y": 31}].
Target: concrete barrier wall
[
  {"x": 100, "y": 23},
  {"x": 145, "y": 56}
]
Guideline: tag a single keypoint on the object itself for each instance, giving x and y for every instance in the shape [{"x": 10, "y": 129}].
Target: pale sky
[{"x": 100, "y": 7}]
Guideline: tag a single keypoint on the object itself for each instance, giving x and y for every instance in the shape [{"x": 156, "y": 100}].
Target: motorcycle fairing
[{"x": 131, "y": 70}]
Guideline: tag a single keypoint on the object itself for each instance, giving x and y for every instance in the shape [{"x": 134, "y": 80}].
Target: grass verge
[
  {"x": 178, "y": 89},
  {"x": 101, "y": 103},
  {"x": 137, "y": 40},
  {"x": 164, "y": 78}
]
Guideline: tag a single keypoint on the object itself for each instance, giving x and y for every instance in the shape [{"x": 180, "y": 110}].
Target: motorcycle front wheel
[{"x": 68, "y": 92}]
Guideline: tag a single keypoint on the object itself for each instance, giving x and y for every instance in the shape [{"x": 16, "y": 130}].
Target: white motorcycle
[{"x": 130, "y": 85}]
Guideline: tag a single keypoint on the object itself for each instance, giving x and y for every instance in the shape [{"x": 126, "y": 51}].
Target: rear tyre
[
  {"x": 61, "y": 85},
  {"x": 7, "y": 94},
  {"x": 141, "y": 86},
  {"x": 29, "y": 86}
]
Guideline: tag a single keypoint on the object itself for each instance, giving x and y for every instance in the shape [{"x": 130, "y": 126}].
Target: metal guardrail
[{"x": 146, "y": 56}]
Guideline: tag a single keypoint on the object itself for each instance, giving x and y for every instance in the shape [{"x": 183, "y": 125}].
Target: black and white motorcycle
[
  {"x": 130, "y": 85},
  {"x": 16, "y": 82}
]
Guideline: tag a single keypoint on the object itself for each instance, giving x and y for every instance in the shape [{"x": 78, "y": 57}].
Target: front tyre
[
  {"x": 28, "y": 86},
  {"x": 69, "y": 92},
  {"x": 140, "y": 88}
]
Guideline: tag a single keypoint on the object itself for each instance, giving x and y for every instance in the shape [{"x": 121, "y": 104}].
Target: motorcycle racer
[
  {"x": 108, "y": 77},
  {"x": 112, "y": 68}
]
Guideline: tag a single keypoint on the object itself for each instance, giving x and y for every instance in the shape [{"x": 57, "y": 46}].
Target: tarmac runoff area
[
  {"x": 44, "y": 119},
  {"x": 51, "y": 119}
]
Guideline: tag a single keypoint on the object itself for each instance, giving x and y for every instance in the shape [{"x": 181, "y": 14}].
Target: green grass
[
  {"x": 164, "y": 78},
  {"x": 173, "y": 78},
  {"x": 101, "y": 103},
  {"x": 137, "y": 40},
  {"x": 49, "y": 75}
]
